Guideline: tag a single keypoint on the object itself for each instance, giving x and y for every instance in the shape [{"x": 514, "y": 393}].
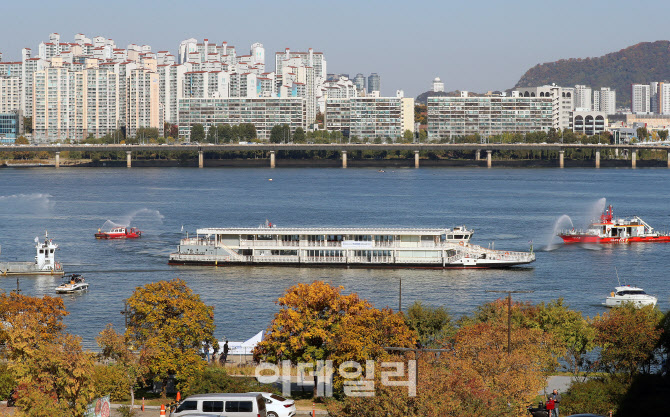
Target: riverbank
[{"x": 332, "y": 163}]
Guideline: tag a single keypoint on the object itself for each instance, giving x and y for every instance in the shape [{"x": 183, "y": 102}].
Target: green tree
[
  {"x": 432, "y": 324},
  {"x": 662, "y": 134},
  {"x": 280, "y": 134},
  {"x": 170, "y": 326},
  {"x": 224, "y": 133},
  {"x": 197, "y": 133},
  {"x": 28, "y": 124},
  {"x": 211, "y": 135},
  {"x": 21, "y": 140},
  {"x": 642, "y": 133},
  {"x": 299, "y": 136},
  {"x": 408, "y": 135}
]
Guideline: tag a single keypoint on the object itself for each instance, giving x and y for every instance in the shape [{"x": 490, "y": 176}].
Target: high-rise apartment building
[
  {"x": 374, "y": 83},
  {"x": 664, "y": 97},
  {"x": 583, "y": 97},
  {"x": 10, "y": 93},
  {"x": 640, "y": 98},
  {"x": 359, "y": 82},
  {"x": 606, "y": 100}
]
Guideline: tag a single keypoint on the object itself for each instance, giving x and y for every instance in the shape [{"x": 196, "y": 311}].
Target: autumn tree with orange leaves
[
  {"x": 170, "y": 325},
  {"x": 628, "y": 338},
  {"x": 52, "y": 372},
  {"x": 317, "y": 322},
  {"x": 474, "y": 377}
]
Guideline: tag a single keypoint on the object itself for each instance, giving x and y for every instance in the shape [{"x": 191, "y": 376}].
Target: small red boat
[
  {"x": 610, "y": 230},
  {"x": 119, "y": 233}
]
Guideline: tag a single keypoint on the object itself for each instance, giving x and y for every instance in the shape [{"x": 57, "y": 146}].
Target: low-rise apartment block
[
  {"x": 370, "y": 117},
  {"x": 263, "y": 112},
  {"x": 487, "y": 116}
]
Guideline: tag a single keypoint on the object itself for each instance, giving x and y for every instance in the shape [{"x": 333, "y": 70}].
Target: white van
[{"x": 228, "y": 405}]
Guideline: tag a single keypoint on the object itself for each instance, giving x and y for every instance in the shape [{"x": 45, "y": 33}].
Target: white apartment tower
[
  {"x": 640, "y": 98},
  {"x": 606, "y": 100},
  {"x": 664, "y": 97},
  {"x": 583, "y": 97}
]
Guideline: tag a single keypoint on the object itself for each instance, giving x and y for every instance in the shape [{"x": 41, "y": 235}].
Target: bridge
[{"x": 343, "y": 148}]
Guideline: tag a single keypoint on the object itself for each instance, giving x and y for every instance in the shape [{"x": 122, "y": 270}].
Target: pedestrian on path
[{"x": 557, "y": 399}]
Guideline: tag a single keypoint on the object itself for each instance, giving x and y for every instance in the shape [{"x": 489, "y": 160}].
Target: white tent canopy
[{"x": 243, "y": 348}]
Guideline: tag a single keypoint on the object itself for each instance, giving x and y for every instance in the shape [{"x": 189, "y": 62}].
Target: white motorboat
[
  {"x": 71, "y": 284},
  {"x": 630, "y": 294}
]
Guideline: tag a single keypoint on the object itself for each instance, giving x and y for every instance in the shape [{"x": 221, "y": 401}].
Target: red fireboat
[
  {"x": 119, "y": 233},
  {"x": 611, "y": 230}
]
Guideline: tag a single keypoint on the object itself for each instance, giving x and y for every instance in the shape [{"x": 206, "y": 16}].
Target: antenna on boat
[{"x": 617, "y": 276}]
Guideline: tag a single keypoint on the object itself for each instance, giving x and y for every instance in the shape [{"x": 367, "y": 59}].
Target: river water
[{"x": 509, "y": 207}]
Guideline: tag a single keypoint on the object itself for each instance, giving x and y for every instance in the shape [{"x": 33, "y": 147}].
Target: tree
[
  {"x": 474, "y": 377},
  {"x": 170, "y": 326},
  {"x": 28, "y": 124},
  {"x": 280, "y": 134},
  {"x": 432, "y": 325},
  {"x": 248, "y": 131},
  {"x": 197, "y": 133},
  {"x": 211, "y": 134},
  {"x": 128, "y": 363},
  {"x": 408, "y": 135},
  {"x": 299, "y": 136},
  {"x": 317, "y": 322},
  {"x": 224, "y": 133},
  {"x": 628, "y": 338},
  {"x": 662, "y": 135},
  {"x": 642, "y": 133},
  {"x": 52, "y": 372},
  {"x": 21, "y": 140}
]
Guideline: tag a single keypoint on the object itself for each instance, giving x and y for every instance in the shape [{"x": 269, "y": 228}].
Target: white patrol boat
[
  {"x": 342, "y": 247},
  {"x": 44, "y": 264},
  {"x": 630, "y": 294}
]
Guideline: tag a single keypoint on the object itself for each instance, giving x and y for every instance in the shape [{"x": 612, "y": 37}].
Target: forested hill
[{"x": 641, "y": 63}]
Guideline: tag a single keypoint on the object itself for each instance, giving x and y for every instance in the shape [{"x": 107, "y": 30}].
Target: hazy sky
[{"x": 472, "y": 45}]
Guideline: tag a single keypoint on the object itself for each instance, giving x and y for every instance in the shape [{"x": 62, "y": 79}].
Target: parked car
[
  {"x": 277, "y": 406},
  {"x": 239, "y": 405}
]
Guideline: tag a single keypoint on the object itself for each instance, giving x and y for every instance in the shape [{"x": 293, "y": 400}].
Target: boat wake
[
  {"x": 145, "y": 214},
  {"x": 553, "y": 241},
  {"x": 37, "y": 202}
]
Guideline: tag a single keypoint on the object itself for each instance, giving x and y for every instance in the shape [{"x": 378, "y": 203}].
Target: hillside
[{"x": 641, "y": 63}]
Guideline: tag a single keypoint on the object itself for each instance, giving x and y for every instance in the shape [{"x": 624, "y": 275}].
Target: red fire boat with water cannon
[
  {"x": 119, "y": 233},
  {"x": 611, "y": 230}
]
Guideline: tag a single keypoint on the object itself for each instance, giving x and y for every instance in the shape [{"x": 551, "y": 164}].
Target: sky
[{"x": 471, "y": 45}]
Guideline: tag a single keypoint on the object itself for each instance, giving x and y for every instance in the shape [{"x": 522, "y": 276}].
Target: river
[{"x": 509, "y": 207}]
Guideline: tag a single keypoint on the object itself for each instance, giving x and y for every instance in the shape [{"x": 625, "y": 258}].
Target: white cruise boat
[
  {"x": 630, "y": 294},
  {"x": 71, "y": 284},
  {"x": 342, "y": 247}
]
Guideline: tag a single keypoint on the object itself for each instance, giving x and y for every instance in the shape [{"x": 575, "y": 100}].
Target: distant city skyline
[{"x": 480, "y": 47}]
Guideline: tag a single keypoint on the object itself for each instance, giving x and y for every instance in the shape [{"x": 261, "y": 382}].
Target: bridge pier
[
  {"x": 272, "y": 159},
  {"x": 57, "y": 160},
  {"x": 201, "y": 159},
  {"x": 478, "y": 154},
  {"x": 597, "y": 158},
  {"x": 488, "y": 158},
  {"x": 128, "y": 159},
  {"x": 344, "y": 159},
  {"x": 668, "y": 159},
  {"x": 416, "y": 159},
  {"x": 561, "y": 159},
  {"x": 633, "y": 159}
]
